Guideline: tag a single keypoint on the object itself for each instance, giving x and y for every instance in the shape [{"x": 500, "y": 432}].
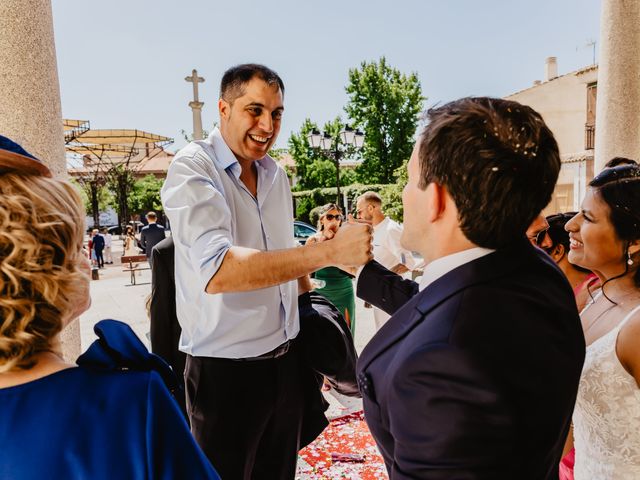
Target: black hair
[
  {"x": 617, "y": 161},
  {"x": 619, "y": 187},
  {"x": 235, "y": 78},
  {"x": 559, "y": 236}
]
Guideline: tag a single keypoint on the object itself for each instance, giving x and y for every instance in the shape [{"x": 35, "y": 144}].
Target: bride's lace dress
[{"x": 606, "y": 419}]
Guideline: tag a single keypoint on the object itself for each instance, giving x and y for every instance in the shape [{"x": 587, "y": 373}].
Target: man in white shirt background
[
  {"x": 387, "y": 250},
  {"x": 108, "y": 241},
  {"x": 236, "y": 271}
]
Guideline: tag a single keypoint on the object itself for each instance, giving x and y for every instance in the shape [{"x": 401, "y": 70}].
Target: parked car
[
  {"x": 117, "y": 229},
  {"x": 302, "y": 231}
]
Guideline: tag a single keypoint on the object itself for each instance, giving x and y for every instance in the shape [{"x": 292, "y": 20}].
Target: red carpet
[{"x": 345, "y": 435}]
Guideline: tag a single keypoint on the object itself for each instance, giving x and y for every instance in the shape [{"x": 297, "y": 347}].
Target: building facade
[{"x": 568, "y": 105}]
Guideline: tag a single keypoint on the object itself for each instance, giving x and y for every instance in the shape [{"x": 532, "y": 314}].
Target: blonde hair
[{"x": 41, "y": 277}]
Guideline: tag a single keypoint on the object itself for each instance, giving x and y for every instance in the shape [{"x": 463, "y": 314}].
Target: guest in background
[
  {"x": 108, "y": 243},
  {"x": 151, "y": 235},
  {"x": 579, "y": 278},
  {"x": 537, "y": 232},
  {"x": 98, "y": 247},
  {"x": 387, "y": 250},
  {"x": 338, "y": 284},
  {"x": 130, "y": 243}
]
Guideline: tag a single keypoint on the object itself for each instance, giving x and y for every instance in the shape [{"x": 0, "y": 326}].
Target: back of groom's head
[{"x": 498, "y": 161}]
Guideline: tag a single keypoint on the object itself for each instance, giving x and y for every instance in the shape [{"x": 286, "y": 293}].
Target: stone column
[
  {"x": 30, "y": 111},
  {"x": 618, "y": 103},
  {"x": 196, "y": 107}
]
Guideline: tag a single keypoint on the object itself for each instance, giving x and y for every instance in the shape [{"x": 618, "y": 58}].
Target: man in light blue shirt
[{"x": 236, "y": 270}]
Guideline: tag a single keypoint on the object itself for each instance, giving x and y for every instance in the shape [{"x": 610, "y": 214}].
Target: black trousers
[
  {"x": 99, "y": 257},
  {"x": 247, "y": 415}
]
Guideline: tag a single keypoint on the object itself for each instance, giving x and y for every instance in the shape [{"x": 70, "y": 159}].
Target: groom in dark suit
[{"x": 475, "y": 374}]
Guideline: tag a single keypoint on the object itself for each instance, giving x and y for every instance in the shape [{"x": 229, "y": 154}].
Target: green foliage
[
  {"x": 95, "y": 196},
  {"x": 392, "y": 194},
  {"x": 277, "y": 153},
  {"x": 311, "y": 199},
  {"x": 386, "y": 104},
  {"x": 314, "y": 168},
  {"x": 145, "y": 195},
  {"x": 120, "y": 181},
  {"x": 81, "y": 188}
]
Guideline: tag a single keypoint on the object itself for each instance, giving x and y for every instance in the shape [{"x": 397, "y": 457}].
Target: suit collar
[
  {"x": 484, "y": 269},
  {"x": 441, "y": 266}
]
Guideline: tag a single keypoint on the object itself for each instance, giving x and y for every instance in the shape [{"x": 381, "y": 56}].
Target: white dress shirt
[
  {"x": 443, "y": 265},
  {"x": 210, "y": 210},
  {"x": 387, "y": 250}
]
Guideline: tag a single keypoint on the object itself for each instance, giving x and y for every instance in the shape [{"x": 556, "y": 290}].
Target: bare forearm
[{"x": 245, "y": 269}]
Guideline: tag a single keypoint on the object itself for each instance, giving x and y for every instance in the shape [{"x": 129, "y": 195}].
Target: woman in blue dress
[{"x": 111, "y": 416}]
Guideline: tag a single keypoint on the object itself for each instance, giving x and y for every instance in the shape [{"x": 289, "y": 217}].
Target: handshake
[{"x": 350, "y": 245}]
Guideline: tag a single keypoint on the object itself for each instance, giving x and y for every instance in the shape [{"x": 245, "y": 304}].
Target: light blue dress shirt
[{"x": 210, "y": 210}]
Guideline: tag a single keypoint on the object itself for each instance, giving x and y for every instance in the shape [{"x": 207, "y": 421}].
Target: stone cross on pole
[{"x": 196, "y": 105}]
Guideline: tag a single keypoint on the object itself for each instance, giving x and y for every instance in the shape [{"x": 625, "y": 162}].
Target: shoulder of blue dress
[{"x": 119, "y": 349}]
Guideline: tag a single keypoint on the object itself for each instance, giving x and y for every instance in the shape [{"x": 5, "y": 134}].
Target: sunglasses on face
[
  {"x": 330, "y": 216},
  {"x": 561, "y": 217},
  {"x": 539, "y": 237}
]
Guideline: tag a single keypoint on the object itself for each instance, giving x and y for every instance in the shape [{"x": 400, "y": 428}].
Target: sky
[{"x": 122, "y": 63}]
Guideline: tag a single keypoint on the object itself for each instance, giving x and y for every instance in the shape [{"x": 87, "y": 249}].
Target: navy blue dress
[{"x": 112, "y": 417}]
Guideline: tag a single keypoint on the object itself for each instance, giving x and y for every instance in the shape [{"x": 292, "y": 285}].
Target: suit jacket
[
  {"x": 150, "y": 236},
  {"x": 165, "y": 329},
  {"x": 475, "y": 377},
  {"x": 98, "y": 242},
  {"x": 325, "y": 342}
]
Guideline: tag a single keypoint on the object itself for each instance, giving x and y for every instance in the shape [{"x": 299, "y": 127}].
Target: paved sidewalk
[{"x": 113, "y": 297}]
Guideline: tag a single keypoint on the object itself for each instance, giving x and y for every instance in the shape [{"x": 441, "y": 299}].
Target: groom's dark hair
[{"x": 497, "y": 159}]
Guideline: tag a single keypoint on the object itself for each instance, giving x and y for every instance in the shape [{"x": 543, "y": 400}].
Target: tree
[
  {"x": 95, "y": 196},
  {"x": 386, "y": 104},
  {"x": 120, "y": 181},
  {"x": 314, "y": 168},
  {"x": 145, "y": 195}
]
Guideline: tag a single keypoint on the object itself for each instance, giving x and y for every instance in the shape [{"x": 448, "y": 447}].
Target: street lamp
[{"x": 325, "y": 142}]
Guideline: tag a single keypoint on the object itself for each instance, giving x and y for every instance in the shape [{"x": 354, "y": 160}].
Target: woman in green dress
[{"x": 338, "y": 284}]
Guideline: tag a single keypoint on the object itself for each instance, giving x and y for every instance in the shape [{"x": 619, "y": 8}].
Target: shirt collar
[
  {"x": 225, "y": 158},
  {"x": 443, "y": 265}
]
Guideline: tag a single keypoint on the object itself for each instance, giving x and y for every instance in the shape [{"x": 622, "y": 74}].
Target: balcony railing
[{"x": 589, "y": 136}]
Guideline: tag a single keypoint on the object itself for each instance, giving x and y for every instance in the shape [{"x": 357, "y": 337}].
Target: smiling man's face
[{"x": 250, "y": 124}]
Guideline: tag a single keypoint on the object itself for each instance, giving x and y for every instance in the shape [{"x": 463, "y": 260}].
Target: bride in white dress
[{"x": 605, "y": 238}]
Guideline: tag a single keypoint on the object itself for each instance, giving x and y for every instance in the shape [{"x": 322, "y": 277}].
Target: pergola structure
[{"x": 109, "y": 155}]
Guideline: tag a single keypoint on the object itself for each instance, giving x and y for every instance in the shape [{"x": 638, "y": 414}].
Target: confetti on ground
[{"x": 347, "y": 435}]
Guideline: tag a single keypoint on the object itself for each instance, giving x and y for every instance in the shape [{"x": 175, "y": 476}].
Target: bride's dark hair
[{"x": 619, "y": 187}]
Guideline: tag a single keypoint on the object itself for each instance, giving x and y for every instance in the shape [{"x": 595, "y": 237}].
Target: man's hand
[{"x": 351, "y": 246}]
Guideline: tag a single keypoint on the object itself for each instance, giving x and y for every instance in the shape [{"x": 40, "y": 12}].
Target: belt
[{"x": 275, "y": 353}]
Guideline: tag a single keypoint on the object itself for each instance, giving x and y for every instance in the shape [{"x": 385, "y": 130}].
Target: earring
[{"x": 629, "y": 261}]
